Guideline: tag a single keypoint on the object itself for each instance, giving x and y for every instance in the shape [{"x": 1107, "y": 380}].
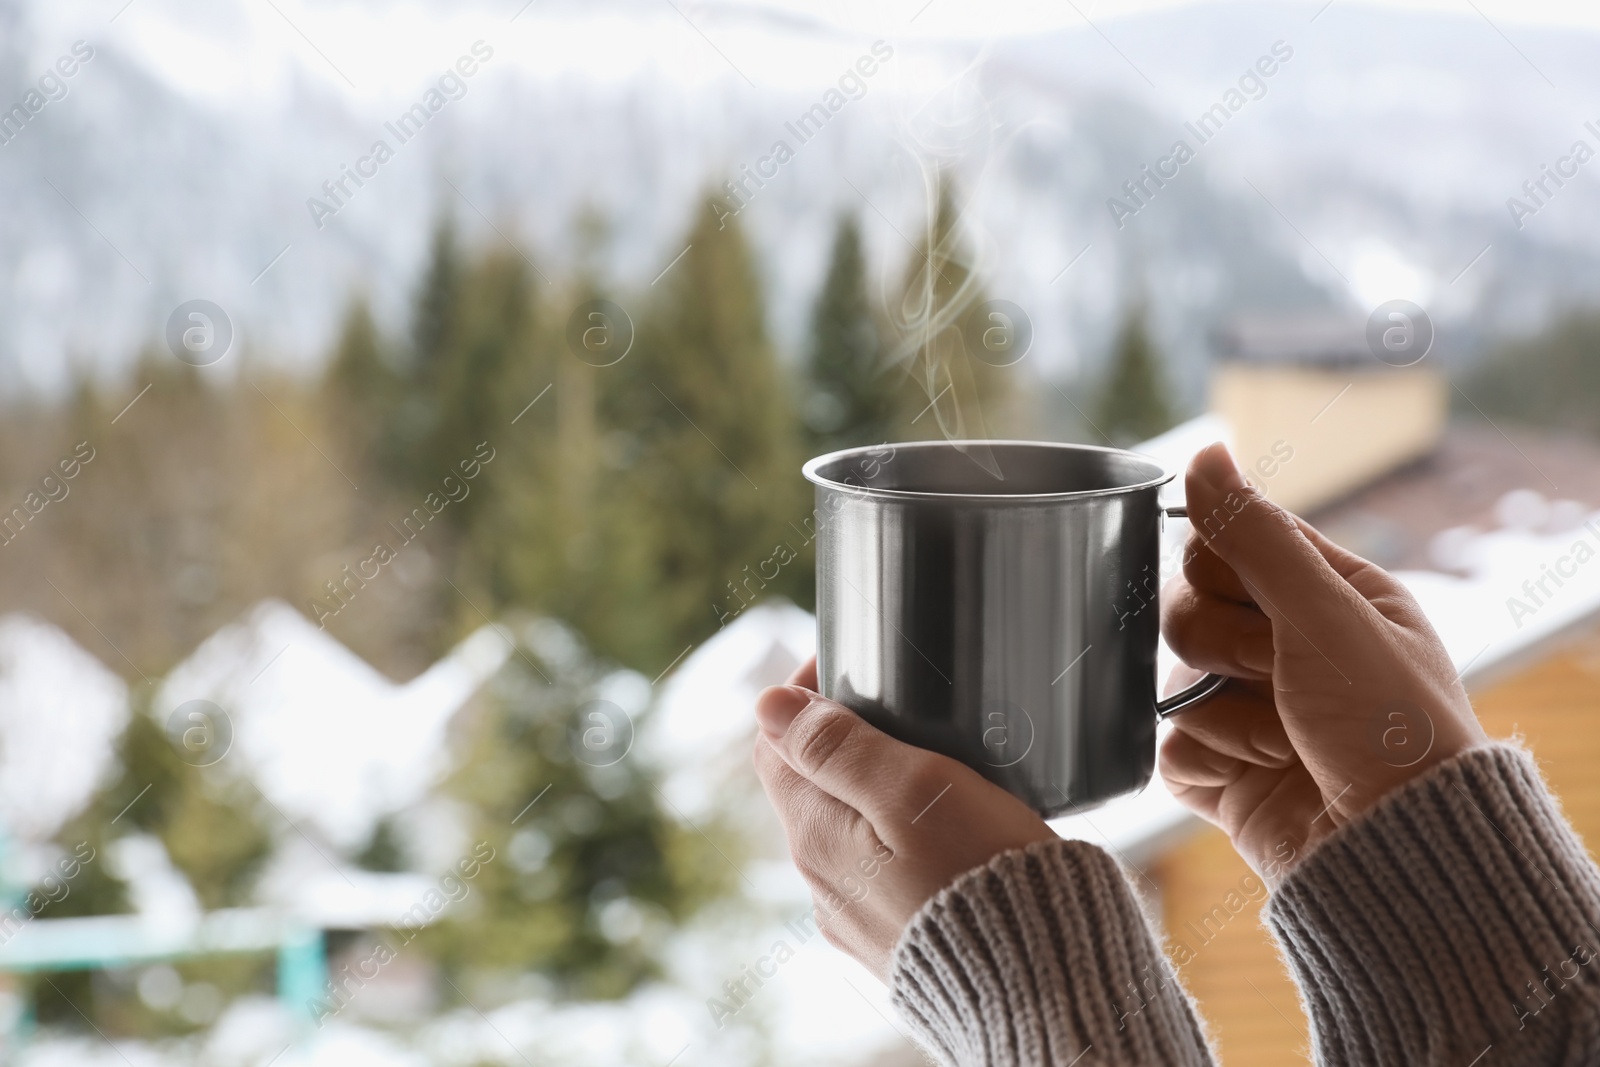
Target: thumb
[
  {"x": 1263, "y": 543},
  {"x": 840, "y": 753}
]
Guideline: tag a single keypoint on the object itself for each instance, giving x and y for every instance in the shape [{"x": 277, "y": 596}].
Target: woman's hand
[
  {"x": 876, "y": 827},
  {"x": 1343, "y": 691}
]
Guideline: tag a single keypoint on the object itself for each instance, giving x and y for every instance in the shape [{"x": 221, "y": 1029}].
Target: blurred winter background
[{"x": 380, "y": 633}]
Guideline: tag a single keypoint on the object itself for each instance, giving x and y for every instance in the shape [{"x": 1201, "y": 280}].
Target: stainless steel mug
[{"x": 996, "y": 601}]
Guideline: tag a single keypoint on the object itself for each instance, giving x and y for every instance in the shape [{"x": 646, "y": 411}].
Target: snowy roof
[
  {"x": 326, "y": 737},
  {"x": 60, "y": 711},
  {"x": 1477, "y": 478}
]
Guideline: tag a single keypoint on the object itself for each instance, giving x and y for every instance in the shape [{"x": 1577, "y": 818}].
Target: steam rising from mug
[{"x": 954, "y": 126}]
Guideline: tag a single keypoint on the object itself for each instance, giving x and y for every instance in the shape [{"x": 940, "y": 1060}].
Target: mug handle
[{"x": 1194, "y": 694}]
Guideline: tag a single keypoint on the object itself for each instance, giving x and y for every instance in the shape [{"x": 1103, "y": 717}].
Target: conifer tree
[
  {"x": 854, "y": 395},
  {"x": 384, "y": 851},
  {"x": 491, "y": 371},
  {"x": 437, "y": 320},
  {"x": 1133, "y": 405},
  {"x": 205, "y": 817},
  {"x": 435, "y": 343},
  {"x": 207, "y": 820},
  {"x": 542, "y": 543},
  {"x": 361, "y": 390},
  {"x": 578, "y": 870},
  {"x": 705, "y": 444}
]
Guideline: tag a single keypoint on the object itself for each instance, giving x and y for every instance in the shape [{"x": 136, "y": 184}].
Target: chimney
[{"x": 1311, "y": 384}]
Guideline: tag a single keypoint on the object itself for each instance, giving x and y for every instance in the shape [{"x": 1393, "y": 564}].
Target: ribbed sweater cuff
[
  {"x": 1036, "y": 957},
  {"x": 1459, "y": 913}
]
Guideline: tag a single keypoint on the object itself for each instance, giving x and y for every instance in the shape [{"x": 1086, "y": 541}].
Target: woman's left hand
[{"x": 875, "y": 826}]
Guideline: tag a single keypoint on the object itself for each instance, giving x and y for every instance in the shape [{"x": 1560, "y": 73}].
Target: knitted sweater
[{"x": 1454, "y": 924}]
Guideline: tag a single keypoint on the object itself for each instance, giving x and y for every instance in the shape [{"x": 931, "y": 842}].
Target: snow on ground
[{"x": 93, "y": 1052}]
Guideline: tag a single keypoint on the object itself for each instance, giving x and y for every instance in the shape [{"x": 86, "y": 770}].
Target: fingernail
[
  {"x": 777, "y": 706},
  {"x": 1217, "y": 466}
]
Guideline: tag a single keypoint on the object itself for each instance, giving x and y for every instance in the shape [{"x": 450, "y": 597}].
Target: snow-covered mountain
[{"x": 1376, "y": 161}]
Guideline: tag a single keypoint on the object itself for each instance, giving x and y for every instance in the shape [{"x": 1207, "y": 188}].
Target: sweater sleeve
[
  {"x": 1037, "y": 958},
  {"x": 1457, "y": 917}
]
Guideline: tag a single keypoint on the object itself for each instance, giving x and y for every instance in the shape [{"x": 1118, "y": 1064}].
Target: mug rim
[{"x": 811, "y": 471}]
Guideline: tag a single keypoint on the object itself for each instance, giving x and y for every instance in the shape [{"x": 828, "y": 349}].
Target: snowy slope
[{"x": 181, "y": 162}]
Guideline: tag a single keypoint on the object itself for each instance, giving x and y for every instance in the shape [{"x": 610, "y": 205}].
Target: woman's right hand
[{"x": 1343, "y": 691}]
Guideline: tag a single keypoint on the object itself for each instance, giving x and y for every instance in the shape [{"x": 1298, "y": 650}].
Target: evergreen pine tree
[
  {"x": 542, "y": 542},
  {"x": 384, "y": 850},
  {"x": 577, "y": 444},
  {"x": 207, "y": 821},
  {"x": 493, "y": 369},
  {"x": 357, "y": 365},
  {"x": 478, "y": 359},
  {"x": 206, "y": 818},
  {"x": 854, "y": 395},
  {"x": 1133, "y": 405},
  {"x": 704, "y": 440},
  {"x": 435, "y": 342},
  {"x": 579, "y": 871},
  {"x": 437, "y": 319},
  {"x": 361, "y": 390}
]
